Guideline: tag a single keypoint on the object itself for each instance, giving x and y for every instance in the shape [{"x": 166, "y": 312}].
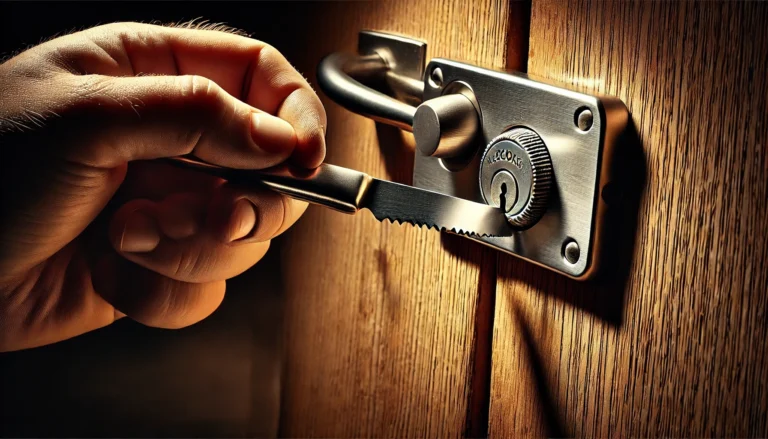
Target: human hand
[{"x": 91, "y": 231}]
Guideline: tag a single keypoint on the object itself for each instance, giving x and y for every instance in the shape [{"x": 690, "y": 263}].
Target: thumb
[{"x": 120, "y": 119}]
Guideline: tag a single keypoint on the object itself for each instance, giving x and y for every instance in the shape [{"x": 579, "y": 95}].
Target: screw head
[
  {"x": 504, "y": 190},
  {"x": 584, "y": 119},
  {"x": 436, "y": 78},
  {"x": 571, "y": 251}
]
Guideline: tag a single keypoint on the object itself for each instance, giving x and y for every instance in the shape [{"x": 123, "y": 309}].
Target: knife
[{"x": 347, "y": 190}]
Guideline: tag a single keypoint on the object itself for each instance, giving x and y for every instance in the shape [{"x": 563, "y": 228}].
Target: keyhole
[
  {"x": 503, "y": 197},
  {"x": 503, "y": 191}
]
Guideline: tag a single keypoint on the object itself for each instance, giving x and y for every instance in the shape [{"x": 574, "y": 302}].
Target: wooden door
[
  {"x": 389, "y": 328},
  {"x": 673, "y": 342}
]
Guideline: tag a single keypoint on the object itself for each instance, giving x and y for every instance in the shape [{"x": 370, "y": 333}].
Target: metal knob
[
  {"x": 516, "y": 174},
  {"x": 445, "y": 126}
]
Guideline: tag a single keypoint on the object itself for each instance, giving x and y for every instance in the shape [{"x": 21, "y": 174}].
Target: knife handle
[{"x": 331, "y": 186}]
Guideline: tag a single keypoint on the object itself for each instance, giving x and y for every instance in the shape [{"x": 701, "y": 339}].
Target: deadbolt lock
[
  {"x": 516, "y": 175},
  {"x": 541, "y": 152}
]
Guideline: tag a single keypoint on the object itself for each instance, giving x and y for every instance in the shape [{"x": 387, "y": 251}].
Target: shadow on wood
[
  {"x": 397, "y": 153},
  {"x": 538, "y": 368}
]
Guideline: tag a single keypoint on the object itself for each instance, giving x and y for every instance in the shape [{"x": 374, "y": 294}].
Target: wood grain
[
  {"x": 677, "y": 346},
  {"x": 381, "y": 318}
]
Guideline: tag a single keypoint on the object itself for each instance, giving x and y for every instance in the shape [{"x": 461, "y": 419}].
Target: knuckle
[
  {"x": 202, "y": 95},
  {"x": 86, "y": 98},
  {"x": 199, "y": 89},
  {"x": 269, "y": 55},
  {"x": 115, "y": 29},
  {"x": 109, "y": 31},
  {"x": 277, "y": 71},
  {"x": 110, "y": 27},
  {"x": 91, "y": 89},
  {"x": 202, "y": 99}
]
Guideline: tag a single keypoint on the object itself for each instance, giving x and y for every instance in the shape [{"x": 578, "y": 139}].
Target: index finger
[{"x": 248, "y": 69}]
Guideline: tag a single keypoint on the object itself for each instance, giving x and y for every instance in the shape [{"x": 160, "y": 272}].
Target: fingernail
[
  {"x": 242, "y": 221},
  {"x": 271, "y": 133},
  {"x": 140, "y": 234}
]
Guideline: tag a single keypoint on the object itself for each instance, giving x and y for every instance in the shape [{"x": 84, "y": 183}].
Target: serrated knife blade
[
  {"x": 406, "y": 204},
  {"x": 348, "y": 191}
]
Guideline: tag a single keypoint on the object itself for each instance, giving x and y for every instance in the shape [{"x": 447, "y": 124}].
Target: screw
[
  {"x": 436, "y": 78},
  {"x": 571, "y": 251},
  {"x": 584, "y": 119},
  {"x": 504, "y": 190}
]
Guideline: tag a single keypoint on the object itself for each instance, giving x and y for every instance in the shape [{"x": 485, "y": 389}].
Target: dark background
[{"x": 217, "y": 378}]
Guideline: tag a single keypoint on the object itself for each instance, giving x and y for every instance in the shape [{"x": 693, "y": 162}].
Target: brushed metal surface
[{"x": 578, "y": 159}]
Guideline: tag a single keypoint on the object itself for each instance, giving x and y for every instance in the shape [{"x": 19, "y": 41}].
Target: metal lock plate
[
  {"x": 562, "y": 229},
  {"x": 580, "y": 159}
]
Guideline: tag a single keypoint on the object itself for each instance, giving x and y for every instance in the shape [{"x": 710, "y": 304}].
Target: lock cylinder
[{"x": 516, "y": 175}]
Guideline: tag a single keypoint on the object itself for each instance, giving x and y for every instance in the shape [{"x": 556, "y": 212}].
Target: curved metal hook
[{"x": 336, "y": 75}]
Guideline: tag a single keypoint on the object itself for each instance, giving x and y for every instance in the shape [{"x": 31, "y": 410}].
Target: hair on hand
[{"x": 201, "y": 24}]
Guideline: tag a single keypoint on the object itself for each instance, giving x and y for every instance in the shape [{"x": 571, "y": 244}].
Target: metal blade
[
  {"x": 406, "y": 204},
  {"x": 348, "y": 190}
]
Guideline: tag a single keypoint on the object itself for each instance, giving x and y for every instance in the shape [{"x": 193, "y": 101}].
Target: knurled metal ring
[{"x": 521, "y": 152}]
